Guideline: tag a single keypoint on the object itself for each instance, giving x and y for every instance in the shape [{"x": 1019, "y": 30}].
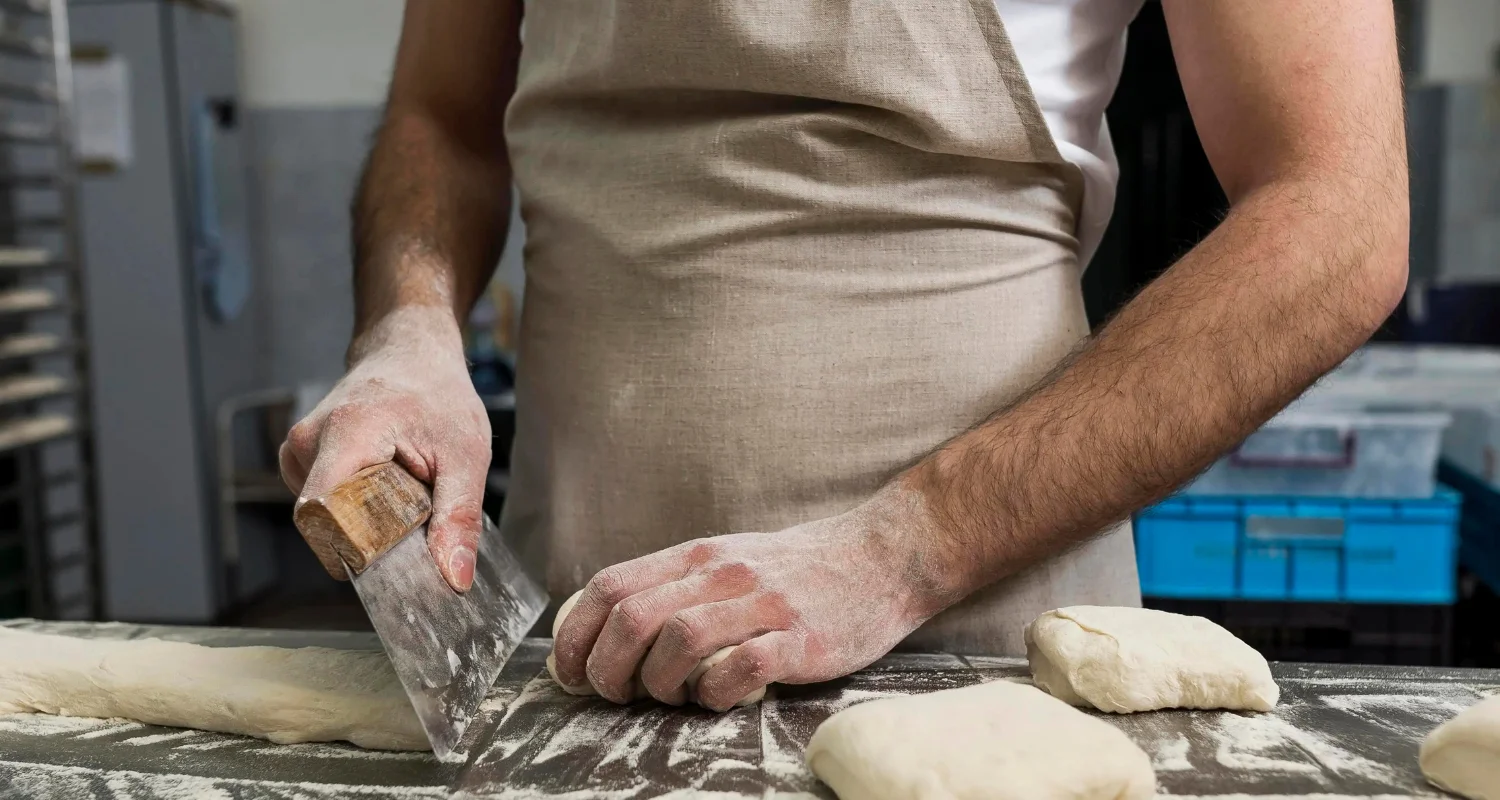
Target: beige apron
[{"x": 777, "y": 252}]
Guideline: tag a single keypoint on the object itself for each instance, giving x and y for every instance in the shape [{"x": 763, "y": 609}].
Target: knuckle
[
  {"x": 342, "y": 416},
  {"x": 755, "y": 666},
  {"x": 610, "y": 585},
  {"x": 702, "y": 551},
  {"x": 303, "y": 437},
  {"x": 634, "y": 618},
  {"x": 686, "y": 632},
  {"x": 735, "y": 573}
]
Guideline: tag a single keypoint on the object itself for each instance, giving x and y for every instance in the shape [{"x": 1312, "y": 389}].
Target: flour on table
[
  {"x": 281, "y": 694},
  {"x": 1265, "y": 743},
  {"x": 45, "y": 780},
  {"x": 1172, "y": 756}
]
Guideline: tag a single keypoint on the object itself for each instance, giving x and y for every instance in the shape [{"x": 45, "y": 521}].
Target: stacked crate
[{"x": 1326, "y": 533}]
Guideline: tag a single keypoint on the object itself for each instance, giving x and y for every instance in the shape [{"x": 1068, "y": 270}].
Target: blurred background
[{"x": 175, "y": 292}]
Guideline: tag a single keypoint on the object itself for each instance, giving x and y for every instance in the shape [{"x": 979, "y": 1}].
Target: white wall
[{"x": 317, "y": 53}]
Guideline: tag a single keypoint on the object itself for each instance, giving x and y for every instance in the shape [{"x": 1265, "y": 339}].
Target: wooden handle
[{"x": 363, "y": 517}]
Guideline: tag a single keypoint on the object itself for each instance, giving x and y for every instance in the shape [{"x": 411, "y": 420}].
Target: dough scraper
[{"x": 447, "y": 648}]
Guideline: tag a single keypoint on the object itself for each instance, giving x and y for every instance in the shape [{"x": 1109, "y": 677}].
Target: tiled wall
[
  {"x": 304, "y": 163},
  {"x": 303, "y": 166}
]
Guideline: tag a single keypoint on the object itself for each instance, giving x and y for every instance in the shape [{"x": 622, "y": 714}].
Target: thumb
[{"x": 458, "y": 519}]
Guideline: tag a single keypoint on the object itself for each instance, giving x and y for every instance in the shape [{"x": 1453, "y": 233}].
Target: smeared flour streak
[
  {"x": 1172, "y": 756},
  {"x": 42, "y": 780}
]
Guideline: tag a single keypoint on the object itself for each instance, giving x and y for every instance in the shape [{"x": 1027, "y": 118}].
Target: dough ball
[
  {"x": 1463, "y": 754},
  {"x": 586, "y": 689},
  {"x": 640, "y": 692},
  {"x": 563, "y": 611},
  {"x": 1135, "y": 659},
  {"x": 994, "y": 741},
  {"x": 708, "y": 663}
]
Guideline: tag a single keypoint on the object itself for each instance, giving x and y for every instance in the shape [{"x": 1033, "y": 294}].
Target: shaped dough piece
[
  {"x": 1135, "y": 659},
  {"x": 995, "y": 741},
  {"x": 640, "y": 688},
  {"x": 1463, "y": 754},
  {"x": 308, "y": 694}
]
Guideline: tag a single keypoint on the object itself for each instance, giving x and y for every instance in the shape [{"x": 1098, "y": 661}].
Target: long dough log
[{"x": 308, "y": 694}]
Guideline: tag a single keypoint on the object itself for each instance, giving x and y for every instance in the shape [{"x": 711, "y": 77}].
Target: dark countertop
[{"x": 1340, "y": 732}]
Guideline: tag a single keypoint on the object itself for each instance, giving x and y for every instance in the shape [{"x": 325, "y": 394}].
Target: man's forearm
[
  {"x": 433, "y": 205},
  {"x": 1293, "y": 280},
  {"x": 430, "y": 218}
]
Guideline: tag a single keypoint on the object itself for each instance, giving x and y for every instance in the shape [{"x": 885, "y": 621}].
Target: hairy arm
[
  {"x": 429, "y": 220},
  {"x": 1299, "y": 107},
  {"x": 432, "y": 207}
]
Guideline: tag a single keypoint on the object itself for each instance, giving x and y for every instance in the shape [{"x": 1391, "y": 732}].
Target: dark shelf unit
[{"x": 49, "y": 542}]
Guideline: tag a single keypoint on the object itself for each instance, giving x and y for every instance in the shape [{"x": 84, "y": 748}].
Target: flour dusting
[
  {"x": 47, "y": 724},
  {"x": 140, "y": 741},
  {"x": 118, "y": 726},
  {"x": 211, "y": 745},
  {"x": 1172, "y": 755},
  {"x": 1265, "y": 742},
  {"x": 1245, "y": 741},
  {"x": 44, "y": 780},
  {"x": 333, "y": 751}
]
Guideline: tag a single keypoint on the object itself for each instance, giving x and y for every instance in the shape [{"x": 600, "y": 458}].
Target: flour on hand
[
  {"x": 640, "y": 688},
  {"x": 1125, "y": 660}
]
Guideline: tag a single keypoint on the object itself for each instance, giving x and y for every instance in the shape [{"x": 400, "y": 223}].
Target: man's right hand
[{"x": 407, "y": 397}]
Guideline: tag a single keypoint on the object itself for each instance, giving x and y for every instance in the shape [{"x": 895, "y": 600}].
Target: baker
[{"x": 804, "y": 365}]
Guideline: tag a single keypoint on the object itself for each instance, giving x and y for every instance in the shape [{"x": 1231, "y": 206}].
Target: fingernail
[{"x": 461, "y": 568}]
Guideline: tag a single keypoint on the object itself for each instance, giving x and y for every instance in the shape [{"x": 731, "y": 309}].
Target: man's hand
[
  {"x": 407, "y": 397},
  {"x": 430, "y": 219},
  {"x": 806, "y": 604}
]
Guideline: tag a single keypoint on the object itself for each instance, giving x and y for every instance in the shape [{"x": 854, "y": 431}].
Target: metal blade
[{"x": 448, "y": 648}]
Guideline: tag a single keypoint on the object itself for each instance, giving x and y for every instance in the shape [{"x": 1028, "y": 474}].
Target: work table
[{"x": 1340, "y": 732}]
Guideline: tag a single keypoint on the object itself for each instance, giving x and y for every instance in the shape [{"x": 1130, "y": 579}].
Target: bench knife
[{"x": 447, "y": 648}]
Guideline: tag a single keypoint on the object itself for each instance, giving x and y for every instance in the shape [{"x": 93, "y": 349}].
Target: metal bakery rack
[{"x": 49, "y": 552}]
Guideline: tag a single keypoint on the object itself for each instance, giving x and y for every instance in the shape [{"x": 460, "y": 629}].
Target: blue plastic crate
[
  {"x": 1301, "y": 548},
  {"x": 1479, "y": 533}
]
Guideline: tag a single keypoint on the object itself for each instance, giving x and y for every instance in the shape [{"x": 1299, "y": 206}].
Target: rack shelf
[
  {"x": 22, "y": 257},
  {"x": 30, "y": 345},
  {"x": 28, "y": 299},
  {"x": 34, "y": 430},
  {"x": 23, "y": 388},
  {"x": 27, "y": 133},
  {"x": 28, "y": 92},
  {"x": 47, "y": 490},
  {"x": 25, "y": 46},
  {"x": 33, "y": 180}
]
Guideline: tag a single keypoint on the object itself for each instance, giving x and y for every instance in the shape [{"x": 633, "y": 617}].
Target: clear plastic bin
[
  {"x": 1421, "y": 361},
  {"x": 1333, "y": 452},
  {"x": 1464, "y": 381}
]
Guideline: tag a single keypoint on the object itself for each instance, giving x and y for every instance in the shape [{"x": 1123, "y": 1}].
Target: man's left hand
[{"x": 806, "y": 604}]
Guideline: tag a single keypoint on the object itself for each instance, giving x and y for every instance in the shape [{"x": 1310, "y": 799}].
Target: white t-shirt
[{"x": 1071, "y": 52}]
